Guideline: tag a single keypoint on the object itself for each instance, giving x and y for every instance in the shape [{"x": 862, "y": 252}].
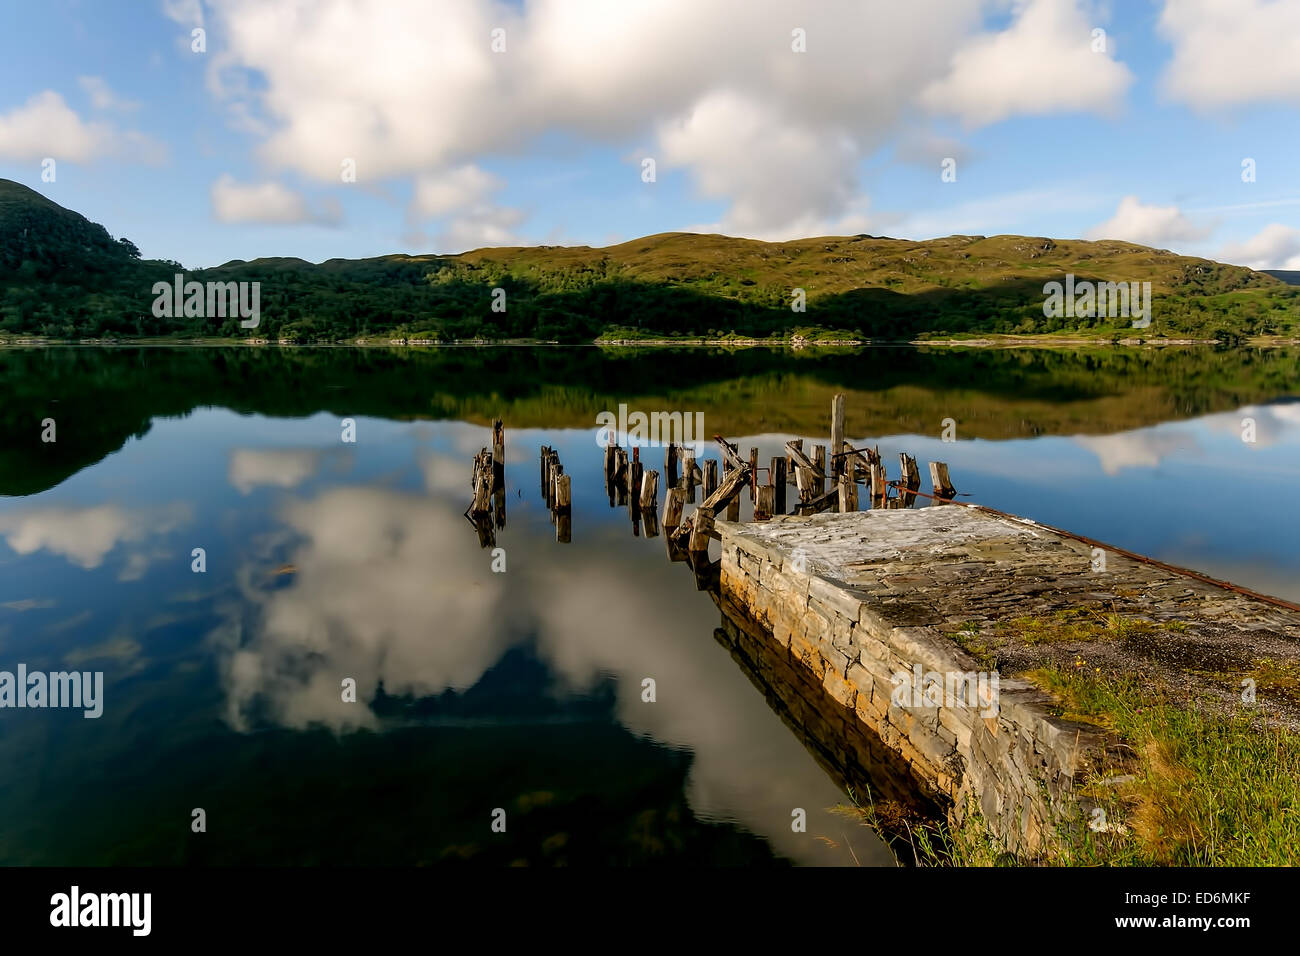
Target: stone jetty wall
[{"x": 873, "y": 645}]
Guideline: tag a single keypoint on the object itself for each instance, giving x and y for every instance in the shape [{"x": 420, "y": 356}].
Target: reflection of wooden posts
[
  {"x": 621, "y": 476},
  {"x": 498, "y": 454},
  {"x": 766, "y": 503},
  {"x": 564, "y": 528},
  {"x": 848, "y": 494},
  {"x": 673, "y": 507},
  {"x": 837, "y": 435},
  {"x": 499, "y": 506},
  {"x": 778, "y": 483},
  {"x": 710, "y": 478},
  {"x": 487, "y": 536},
  {"x": 911, "y": 479},
  {"x": 939, "y": 479}
]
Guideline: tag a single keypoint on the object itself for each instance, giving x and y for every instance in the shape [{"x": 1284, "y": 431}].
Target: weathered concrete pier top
[{"x": 898, "y": 612}]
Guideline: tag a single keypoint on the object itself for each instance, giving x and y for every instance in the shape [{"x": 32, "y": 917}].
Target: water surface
[{"x": 520, "y": 690}]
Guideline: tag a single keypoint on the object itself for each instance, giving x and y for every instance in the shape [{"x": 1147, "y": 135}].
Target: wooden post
[
  {"x": 778, "y": 482},
  {"x": 673, "y": 507},
  {"x": 688, "y": 475},
  {"x": 650, "y": 491},
  {"x": 620, "y": 476},
  {"x": 753, "y": 474},
  {"x": 879, "y": 484},
  {"x": 701, "y": 525},
  {"x": 670, "y": 467},
  {"x": 563, "y": 494},
  {"x": 791, "y": 463},
  {"x": 634, "y": 486},
  {"x": 837, "y": 434},
  {"x": 482, "y": 483},
  {"x": 819, "y": 459},
  {"x": 710, "y": 478},
  {"x": 911, "y": 479},
  {"x": 939, "y": 479},
  {"x": 546, "y": 454},
  {"x": 557, "y": 475},
  {"x": 807, "y": 483},
  {"x": 848, "y": 494},
  {"x": 498, "y": 454},
  {"x": 766, "y": 503}
]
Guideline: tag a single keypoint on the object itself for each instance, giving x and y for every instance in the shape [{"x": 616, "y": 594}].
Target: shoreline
[{"x": 793, "y": 344}]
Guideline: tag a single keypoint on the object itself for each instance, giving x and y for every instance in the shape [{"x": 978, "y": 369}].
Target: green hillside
[{"x": 66, "y": 277}]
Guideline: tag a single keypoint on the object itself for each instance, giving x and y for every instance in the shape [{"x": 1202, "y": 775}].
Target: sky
[{"x": 353, "y": 128}]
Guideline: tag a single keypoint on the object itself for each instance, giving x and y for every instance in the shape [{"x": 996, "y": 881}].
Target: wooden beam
[{"x": 837, "y": 434}]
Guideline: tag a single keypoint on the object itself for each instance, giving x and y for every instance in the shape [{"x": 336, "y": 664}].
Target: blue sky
[{"x": 237, "y": 151}]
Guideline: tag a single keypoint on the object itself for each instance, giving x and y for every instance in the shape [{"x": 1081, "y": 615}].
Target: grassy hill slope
[{"x": 65, "y": 276}]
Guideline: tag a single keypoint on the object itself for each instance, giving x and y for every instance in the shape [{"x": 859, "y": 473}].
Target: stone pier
[{"x": 874, "y": 604}]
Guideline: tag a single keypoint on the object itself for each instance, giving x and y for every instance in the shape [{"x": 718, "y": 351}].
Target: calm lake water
[{"x": 519, "y": 690}]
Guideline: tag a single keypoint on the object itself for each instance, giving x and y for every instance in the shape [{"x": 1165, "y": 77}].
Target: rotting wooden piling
[
  {"x": 943, "y": 487},
  {"x": 837, "y": 434},
  {"x": 778, "y": 484}
]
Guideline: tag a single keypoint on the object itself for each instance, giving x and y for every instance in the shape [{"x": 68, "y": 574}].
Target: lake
[{"x": 482, "y": 690}]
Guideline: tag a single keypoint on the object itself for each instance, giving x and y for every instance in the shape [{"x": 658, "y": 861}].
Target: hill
[{"x": 66, "y": 277}]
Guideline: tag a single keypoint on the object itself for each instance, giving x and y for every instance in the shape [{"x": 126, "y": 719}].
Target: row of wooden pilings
[
  {"x": 487, "y": 510},
  {"x": 557, "y": 491},
  {"x": 826, "y": 481}
]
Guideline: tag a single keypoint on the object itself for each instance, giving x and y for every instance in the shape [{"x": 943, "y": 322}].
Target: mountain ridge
[{"x": 69, "y": 278}]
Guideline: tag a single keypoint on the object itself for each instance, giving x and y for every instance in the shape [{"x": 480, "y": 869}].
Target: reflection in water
[{"x": 521, "y": 687}]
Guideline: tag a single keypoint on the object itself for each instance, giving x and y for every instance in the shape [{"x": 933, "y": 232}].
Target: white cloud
[
  {"x": 86, "y": 535},
  {"x": 1148, "y": 225},
  {"x": 46, "y": 126},
  {"x": 1043, "y": 62},
  {"x": 102, "y": 96},
  {"x": 461, "y": 198},
  {"x": 188, "y": 13},
  {"x": 1274, "y": 247},
  {"x": 411, "y": 88},
  {"x": 1143, "y": 448},
  {"x": 440, "y": 194},
  {"x": 269, "y": 203},
  {"x": 1230, "y": 52},
  {"x": 278, "y": 468}
]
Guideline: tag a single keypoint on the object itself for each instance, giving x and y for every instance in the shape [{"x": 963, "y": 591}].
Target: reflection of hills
[{"x": 100, "y": 398}]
